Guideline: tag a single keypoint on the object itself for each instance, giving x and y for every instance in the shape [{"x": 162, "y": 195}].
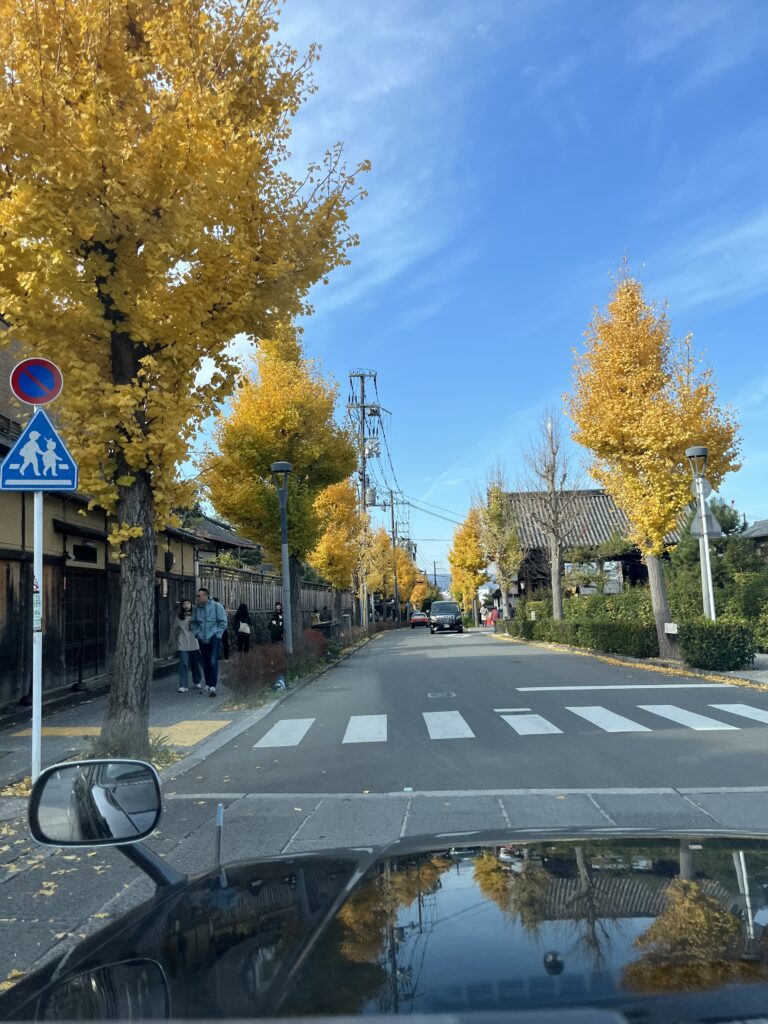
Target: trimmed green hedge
[
  {"x": 719, "y": 646},
  {"x": 636, "y": 641}
]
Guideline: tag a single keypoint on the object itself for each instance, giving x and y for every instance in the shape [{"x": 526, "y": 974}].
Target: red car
[{"x": 419, "y": 619}]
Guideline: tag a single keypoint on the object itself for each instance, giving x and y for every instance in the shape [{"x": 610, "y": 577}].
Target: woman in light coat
[{"x": 184, "y": 642}]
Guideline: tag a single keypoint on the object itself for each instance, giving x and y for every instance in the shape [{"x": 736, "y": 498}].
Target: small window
[{"x": 85, "y": 553}]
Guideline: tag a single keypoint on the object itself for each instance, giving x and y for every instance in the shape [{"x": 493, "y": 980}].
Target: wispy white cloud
[{"x": 722, "y": 264}]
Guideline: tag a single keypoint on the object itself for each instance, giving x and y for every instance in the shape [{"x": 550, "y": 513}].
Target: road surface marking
[
  {"x": 608, "y": 721},
  {"x": 625, "y": 686},
  {"x": 447, "y": 725},
  {"x": 366, "y": 729},
  {"x": 744, "y": 710},
  {"x": 509, "y": 711},
  {"x": 287, "y": 733},
  {"x": 530, "y": 725},
  {"x": 688, "y": 718}
]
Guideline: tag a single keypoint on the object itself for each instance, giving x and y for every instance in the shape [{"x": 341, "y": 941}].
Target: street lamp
[
  {"x": 280, "y": 471},
  {"x": 701, "y": 489}
]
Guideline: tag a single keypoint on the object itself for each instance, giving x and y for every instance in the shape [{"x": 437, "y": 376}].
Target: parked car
[
  {"x": 445, "y": 616},
  {"x": 419, "y": 619}
]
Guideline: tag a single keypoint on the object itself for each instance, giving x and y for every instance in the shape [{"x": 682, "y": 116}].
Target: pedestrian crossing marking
[
  {"x": 701, "y": 723},
  {"x": 607, "y": 720},
  {"x": 288, "y": 732},
  {"x": 366, "y": 729},
  {"x": 744, "y": 710},
  {"x": 447, "y": 725},
  {"x": 451, "y": 725},
  {"x": 530, "y": 725}
]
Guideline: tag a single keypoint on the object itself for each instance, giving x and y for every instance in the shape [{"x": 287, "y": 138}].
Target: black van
[{"x": 445, "y": 616}]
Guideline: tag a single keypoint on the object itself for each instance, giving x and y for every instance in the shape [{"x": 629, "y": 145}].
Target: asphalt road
[{"x": 414, "y": 713}]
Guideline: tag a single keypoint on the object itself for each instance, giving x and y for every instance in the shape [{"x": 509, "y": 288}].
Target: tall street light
[
  {"x": 705, "y": 525},
  {"x": 280, "y": 471}
]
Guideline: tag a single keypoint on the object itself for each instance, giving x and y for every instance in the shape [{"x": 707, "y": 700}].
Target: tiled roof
[
  {"x": 615, "y": 896},
  {"x": 592, "y": 515},
  {"x": 217, "y": 533},
  {"x": 758, "y": 530}
]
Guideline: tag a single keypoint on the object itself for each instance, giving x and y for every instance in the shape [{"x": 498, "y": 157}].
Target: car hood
[{"x": 425, "y": 927}]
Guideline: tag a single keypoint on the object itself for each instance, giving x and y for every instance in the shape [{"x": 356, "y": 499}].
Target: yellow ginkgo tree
[
  {"x": 338, "y": 553},
  {"x": 283, "y": 412},
  {"x": 639, "y": 401},
  {"x": 146, "y": 218},
  {"x": 467, "y": 560}
]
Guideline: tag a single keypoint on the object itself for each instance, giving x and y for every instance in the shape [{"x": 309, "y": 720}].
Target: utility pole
[
  {"x": 394, "y": 559},
  {"x": 434, "y": 573},
  {"x": 358, "y": 378}
]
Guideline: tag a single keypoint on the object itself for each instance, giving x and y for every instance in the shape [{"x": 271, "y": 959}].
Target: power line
[
  {"x": 431, "y": 505},
  {"x": 437, "y": 515}
]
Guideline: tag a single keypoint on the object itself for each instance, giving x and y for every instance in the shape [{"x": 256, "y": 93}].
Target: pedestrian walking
[
  {"x": 243, "y": 627},
  {"x": 208, "y": 622},
  {"x": 225, "y": 634},
  {"x": 276, "y": 624},
  {"x": 185, "y": 643}
]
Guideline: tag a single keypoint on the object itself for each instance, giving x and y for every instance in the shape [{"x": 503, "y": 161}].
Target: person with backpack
[
  {"x": 185, "y": 643},
  {"x": 243, "y": 627}
]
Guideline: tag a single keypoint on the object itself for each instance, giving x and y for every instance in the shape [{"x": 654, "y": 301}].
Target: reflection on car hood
[{"x": 432, "y": 928}]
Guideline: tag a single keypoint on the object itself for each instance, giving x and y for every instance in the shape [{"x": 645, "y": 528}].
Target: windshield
[
  {"x": 382, "y": 458},
  {"x": 445, "y": 608}
]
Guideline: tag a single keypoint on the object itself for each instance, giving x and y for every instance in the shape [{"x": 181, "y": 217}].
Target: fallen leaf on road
[
  {"x": 100, "y": 916},
  {"x": 23, "y": 788},
  {"x": 63, "y": 871},
  {"x": 93, "y": 853},
  {"x": 199, "y": 803},
  {"x": 297, "y": 808},
  {"x": 47, "y": 889},
  {"x": 8, "y": 920},
  {"x": 70, "y": 856},
  {"x": 366, "y": 791}
]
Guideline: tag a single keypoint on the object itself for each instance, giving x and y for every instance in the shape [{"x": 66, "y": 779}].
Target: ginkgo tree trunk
[
  {"x": 639, "y": 401},
  {"x": 283, "y": 411},
  {"x": 147, "y": 217}
]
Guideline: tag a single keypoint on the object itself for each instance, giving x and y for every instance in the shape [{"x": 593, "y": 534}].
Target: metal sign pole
[
  {"x": 704, "y": 581},
  {"x": 37, "y": 636}
]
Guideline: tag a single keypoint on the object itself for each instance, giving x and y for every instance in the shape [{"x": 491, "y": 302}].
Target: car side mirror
[{"x": 103, "y": 802}]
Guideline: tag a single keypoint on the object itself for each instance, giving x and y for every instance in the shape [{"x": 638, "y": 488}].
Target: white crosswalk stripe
[
  {"x": 757, "y": 714},
  {"x": 531, "y": 725},
  {"x": 692, "y": 720},
  {"x": 607, "y": 720},
  {"x": 366, "y": 729},
  {"x": 451, "y": 725},
  {"x": 288, "y": 732},
  {"x": 447, "y": 725}
]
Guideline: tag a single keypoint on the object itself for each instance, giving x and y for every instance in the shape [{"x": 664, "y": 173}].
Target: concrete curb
[{"x": 662, "y": 667}]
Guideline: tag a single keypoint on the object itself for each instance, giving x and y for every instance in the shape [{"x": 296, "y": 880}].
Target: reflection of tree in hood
[
  {"x": 373, "y": 908},
  {"x": 694, "y": 943},
  {"x": 520, "y": 896}
]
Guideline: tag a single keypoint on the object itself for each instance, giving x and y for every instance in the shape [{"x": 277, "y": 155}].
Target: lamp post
[
  {"x": 697, "y": 457},
  {"x": 280, "y": 471}
]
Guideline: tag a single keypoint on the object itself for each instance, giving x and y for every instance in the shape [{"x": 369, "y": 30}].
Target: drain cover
[{"x": 441, "y": 693}]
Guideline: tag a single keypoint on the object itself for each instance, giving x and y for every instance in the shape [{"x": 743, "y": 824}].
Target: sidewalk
[{"x": 181, "y": 719}]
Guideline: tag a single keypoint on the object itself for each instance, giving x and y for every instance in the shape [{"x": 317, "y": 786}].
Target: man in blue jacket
[{"x": 208, "y": 622}]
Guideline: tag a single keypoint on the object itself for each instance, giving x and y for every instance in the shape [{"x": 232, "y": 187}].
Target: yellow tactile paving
[
  {"x": 182, "y": 734},
  {"x": 187, "y": 734}
]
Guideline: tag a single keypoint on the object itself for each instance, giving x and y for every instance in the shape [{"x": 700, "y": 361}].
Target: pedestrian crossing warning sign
[{"x": 39, "y": 461}]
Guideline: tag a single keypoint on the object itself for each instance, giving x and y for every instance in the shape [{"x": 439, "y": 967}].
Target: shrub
[
  {"x": 632, "y": 605},
  {"x": 247, "y": 674},
  {"x": 761, "y": 630},
  {"x": 635, "y": 641},
  {"x": 721, "y": 646}
]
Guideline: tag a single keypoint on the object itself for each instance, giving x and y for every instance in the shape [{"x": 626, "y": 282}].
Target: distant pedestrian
[
  {"x": 276, "y": 624},
  {"x": 208, "y": 623},
  {"x": 243, "y": 627},
  {"x": 185, "y": 643},
  {"x": 326, "y": 615},
  {"x": 314, "y": 619}
]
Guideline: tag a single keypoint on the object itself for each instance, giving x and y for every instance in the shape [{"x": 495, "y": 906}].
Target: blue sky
[{"x": 520, "y": 148}]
